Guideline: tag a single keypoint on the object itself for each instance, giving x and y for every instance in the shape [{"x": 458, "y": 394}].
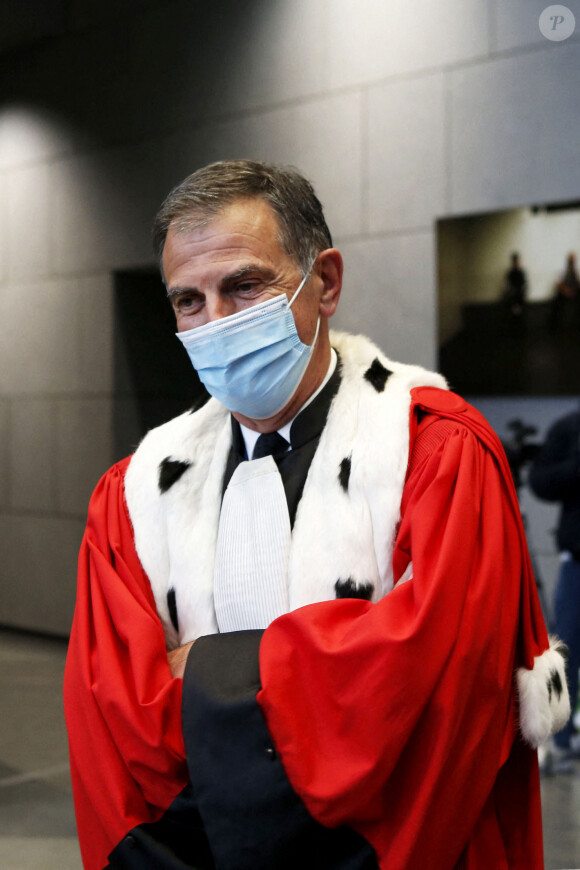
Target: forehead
[{"x": 247, "y": 230}]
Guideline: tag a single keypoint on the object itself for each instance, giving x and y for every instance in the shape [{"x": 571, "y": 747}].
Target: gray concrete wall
[{"x": 399, "y": 112}]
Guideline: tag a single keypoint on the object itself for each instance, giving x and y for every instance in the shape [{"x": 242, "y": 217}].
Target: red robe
[
  {"x": 423, "y": 756},
  {"x": 397, "y": 718},
  {"x": 123, "y": 709}
]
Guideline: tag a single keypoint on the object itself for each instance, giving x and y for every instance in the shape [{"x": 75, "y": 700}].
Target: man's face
[{"x": 234, "y": 262}]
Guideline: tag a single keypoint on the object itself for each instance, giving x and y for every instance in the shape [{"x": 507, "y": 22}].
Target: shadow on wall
[{"x": 154, "y": 380}]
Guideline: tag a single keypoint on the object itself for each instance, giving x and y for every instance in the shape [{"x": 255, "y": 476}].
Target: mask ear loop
[
  {"x": 303, "y": 282},
  {"x": 316, "y": 333},
  {"x": 300, "y": 286}
]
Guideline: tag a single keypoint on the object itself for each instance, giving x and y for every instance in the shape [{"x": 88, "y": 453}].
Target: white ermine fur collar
[
  {"x": 346, "y": 522},
  {"x": 347, "y": 518}
]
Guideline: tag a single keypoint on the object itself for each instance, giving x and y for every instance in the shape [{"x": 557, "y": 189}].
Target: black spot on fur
[
  {"x": 377, "y": 375},
  {"x": 351, "y": 589},
  {"x": 172, "y": 605},
  {"x": 555, "y": 684},
  {"x": 170, "y": 470},
  {"x": 344, "y": 473}
]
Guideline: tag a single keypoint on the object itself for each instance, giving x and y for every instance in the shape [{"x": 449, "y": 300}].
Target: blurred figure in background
[
  {"x": 555, "y": 476},
  {"x": 566, "y": 301},
  {"x": 516, "y": 285}
]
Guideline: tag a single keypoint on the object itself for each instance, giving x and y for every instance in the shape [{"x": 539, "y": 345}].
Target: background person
[
  {"x": 516, "y": 284},
  {"x": 565, "y": 304},
  {"x": 555, "y": 476}
]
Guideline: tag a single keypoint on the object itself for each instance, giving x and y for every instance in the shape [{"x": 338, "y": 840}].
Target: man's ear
[{"x": 329, "y": 268}]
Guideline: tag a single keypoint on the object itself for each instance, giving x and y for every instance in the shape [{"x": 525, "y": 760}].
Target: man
[
  {"x": 555, "y": 476},
  {"x": 516, "y": 284},
  {"x": 565, "y": 310},
  {"x": 320, "y": 652}
]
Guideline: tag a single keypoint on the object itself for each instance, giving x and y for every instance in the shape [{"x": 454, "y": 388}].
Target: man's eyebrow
[
  {"x": 264, "y": 272},
  {"x": 173, "y": 292},
  {"x": 250, "y": 269}
]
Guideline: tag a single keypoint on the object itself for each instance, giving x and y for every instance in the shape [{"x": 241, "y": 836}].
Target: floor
[{"x": 37, "y": 829}]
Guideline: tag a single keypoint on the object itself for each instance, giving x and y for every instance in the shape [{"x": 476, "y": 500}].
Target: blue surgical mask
[{"x": 252, "y": 361}]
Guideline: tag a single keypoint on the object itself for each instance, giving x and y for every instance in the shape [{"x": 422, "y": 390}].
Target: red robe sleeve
[
  {"x": 122, "y": 707},
  {"x": 396, "y": 717}
]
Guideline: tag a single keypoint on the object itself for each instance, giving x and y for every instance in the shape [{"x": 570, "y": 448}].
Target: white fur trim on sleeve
[{"x": 543, "y": 695}]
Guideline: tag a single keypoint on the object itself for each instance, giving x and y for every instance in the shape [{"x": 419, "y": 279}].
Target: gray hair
[{"x": 303, "y": 232}]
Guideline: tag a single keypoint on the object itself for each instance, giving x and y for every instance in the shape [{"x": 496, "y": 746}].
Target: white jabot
[{"x": 251, "y": 566}]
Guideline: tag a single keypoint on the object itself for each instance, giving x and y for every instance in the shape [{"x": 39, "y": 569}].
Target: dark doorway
[
  {"x": 509, "y": 301},
  {"x": 154, "y": 379}
]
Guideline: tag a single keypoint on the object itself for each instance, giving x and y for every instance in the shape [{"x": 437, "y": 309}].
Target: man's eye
[
  {"x": 248, "y": 288},
  {"x": 186, "y": 303}
]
